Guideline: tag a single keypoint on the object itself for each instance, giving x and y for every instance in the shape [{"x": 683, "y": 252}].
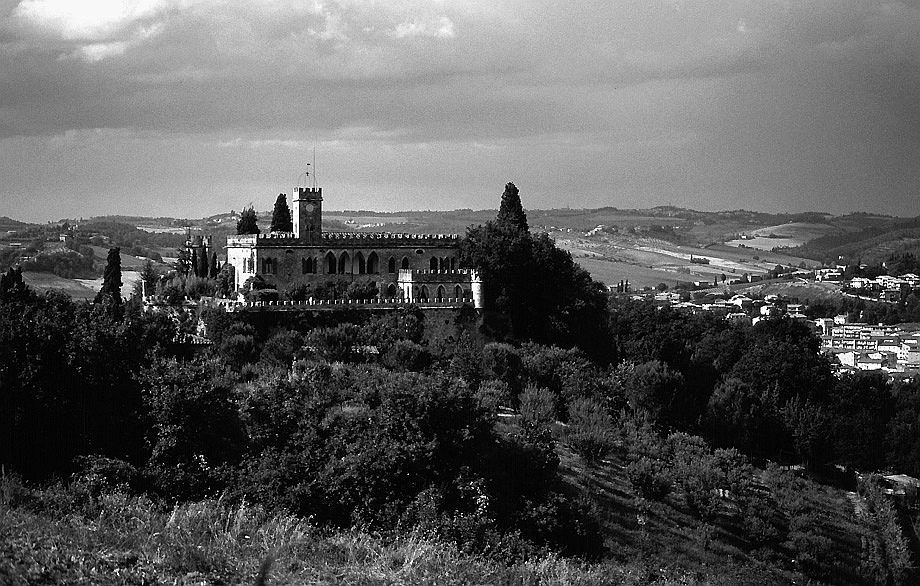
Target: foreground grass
[
  {"x": 87, "y": 534},
  {"x": 67, "y": 535}
]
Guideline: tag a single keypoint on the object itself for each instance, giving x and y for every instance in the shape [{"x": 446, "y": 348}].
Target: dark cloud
[{"x": 764, "y": 104}]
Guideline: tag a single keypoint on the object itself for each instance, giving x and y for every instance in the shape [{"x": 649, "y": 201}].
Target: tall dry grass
[{"x": 73, "y": 535}]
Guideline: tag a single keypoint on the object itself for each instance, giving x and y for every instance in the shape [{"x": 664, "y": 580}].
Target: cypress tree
[
  {"x": 203, "y": 269},
  {"x": 248, "y": 222},
  {"x": 215, "y": 267},
  {"x": 511, "y": 214},
  {"x": 195, "y": 263},
  {"x": 111, "y": 277},
  {"x": 281, "y": 215}
]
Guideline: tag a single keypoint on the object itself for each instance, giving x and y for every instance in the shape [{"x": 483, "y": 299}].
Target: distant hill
[
  {"x": 875, "y": 241},
  {"x": 7, "y": 223}
]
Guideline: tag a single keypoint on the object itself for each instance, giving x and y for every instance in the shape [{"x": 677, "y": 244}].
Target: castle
[{"x": 414, "y": 268}]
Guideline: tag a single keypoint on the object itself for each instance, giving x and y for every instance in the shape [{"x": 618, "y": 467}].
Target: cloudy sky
[{"x": 193, "y": 107}]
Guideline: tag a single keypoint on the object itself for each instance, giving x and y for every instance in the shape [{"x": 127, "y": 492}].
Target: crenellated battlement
[
  {"x": 408, "y": 274},
  {"x": 339, "y": 304},
  {"x": 347, "y": 239},
  {"x": 389, "y": 238},
  {"x": 153, "y": 301}
]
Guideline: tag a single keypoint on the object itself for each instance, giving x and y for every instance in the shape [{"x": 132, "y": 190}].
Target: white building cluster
[{"x": 871, "y": 347}]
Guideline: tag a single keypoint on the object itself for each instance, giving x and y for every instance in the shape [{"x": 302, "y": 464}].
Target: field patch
[
  {"x": 784, "y": 235},
  {"x": 49, "y": 281},
  {"x": 647, "y": 261}
]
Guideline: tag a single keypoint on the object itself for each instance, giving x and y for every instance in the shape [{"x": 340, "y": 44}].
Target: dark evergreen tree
[
  {"x": 12, "y": 287},
  {"x": 248, "y": 222},
  {"x": 203, "y": 269},
  {"x": 501, "y": 251},
  {"x": 281, "y": 215},
  {"x": 511, "y": 214},
  {"x": 111, "y": 277},
  {"x": 567, "y": 307},
  {"x": 215, "y": 266},
  {"x": 196, "y": 265}
]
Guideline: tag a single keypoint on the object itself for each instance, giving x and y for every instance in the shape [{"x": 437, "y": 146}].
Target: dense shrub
[
  {"x": 649, "y": 477},
  {"x": 538, "y": 408},
  {"x": 196, "y": 438},
  {"x": 590, "y": 433}
]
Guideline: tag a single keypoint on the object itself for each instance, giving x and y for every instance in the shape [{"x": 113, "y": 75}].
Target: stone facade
[{"x": 413, "y": 267}]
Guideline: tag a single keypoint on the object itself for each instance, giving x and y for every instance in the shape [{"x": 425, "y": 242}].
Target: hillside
[
  {"x": 9, "y": 224},
  {"x": 87, "y": 532},
  {"x": 870, "y": 245}
]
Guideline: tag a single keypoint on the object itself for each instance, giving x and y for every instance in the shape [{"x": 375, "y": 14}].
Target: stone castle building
[{"x": 418, "y": 268}]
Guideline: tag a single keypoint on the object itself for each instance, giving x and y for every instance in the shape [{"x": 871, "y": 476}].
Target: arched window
[
  {"x": 268, "y": 266},
  {"x": 373, "y": 264},
  {"x": 359, "y": 264},
  {"x": 330, "y": 264},
  {"x": 305, "y": 265},
  {"x": 443, "y": 264},
  {"x": 344, "y": 265},
  {"x": 424, "y": 293},
  {"x": 405, "y": 262},
  {"x": 391, "y": 290},
  {"x": 440, "y": 294},
  {"x": 433, "y": 264},
  {"x": 453, "y": 263},
  {"x": 458, "y": 292},
  {"x": 391, "y": 265}
]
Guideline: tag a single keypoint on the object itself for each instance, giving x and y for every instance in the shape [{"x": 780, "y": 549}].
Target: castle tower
[{"x": 308, "y": 214}]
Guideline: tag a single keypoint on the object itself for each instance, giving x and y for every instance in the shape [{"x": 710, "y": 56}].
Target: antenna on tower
[{"x": 308, "y": 182}]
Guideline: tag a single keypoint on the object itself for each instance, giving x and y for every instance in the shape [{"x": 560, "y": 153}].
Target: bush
[
  {"x": 406, "y": 355},
  {"x": 279, "y": 350},
  {"x": 590, "y": 432},
  {"x": 100, "y": 473},
  {"x": 492, "y": 395},
  {"x": 538, "y": 408},
  {"x": 336, "y": 344},
  {"x": 502, "y": 362},
  {"x": 696, "y": 473},
  {"x": 649, "y": 477},
  {"x": 761, "y": 522}
]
